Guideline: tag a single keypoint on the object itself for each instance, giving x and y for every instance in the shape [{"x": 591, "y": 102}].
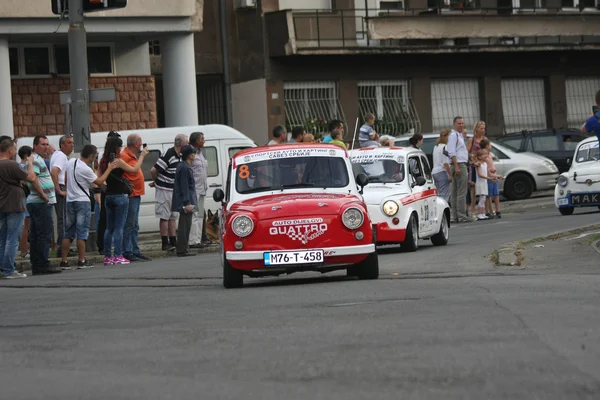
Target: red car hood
[{"x": 295, "y": 205}]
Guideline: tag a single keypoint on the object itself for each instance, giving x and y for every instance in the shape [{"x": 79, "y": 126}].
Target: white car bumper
[{"x": 329, "y": 252}]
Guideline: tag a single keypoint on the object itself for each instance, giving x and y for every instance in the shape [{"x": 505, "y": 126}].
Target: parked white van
[{"x": 221, "y": 143}]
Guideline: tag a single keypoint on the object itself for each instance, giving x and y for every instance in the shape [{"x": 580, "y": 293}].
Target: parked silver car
[{"x": 523, "y": 173}]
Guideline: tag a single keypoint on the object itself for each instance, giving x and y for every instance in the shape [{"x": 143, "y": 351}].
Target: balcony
[{"x": 437, "y": 26}]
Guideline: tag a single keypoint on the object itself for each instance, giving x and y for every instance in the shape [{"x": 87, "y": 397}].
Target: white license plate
[
  {"x": 293, "y": 257},
  {"x": 562, "y": 202}
]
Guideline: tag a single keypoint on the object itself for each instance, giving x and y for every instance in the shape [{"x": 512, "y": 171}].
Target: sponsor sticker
[
  {"x": 303, "y": 230},
  {"x": 371, "y": 157},
  {"x": 275, "y": 154}
]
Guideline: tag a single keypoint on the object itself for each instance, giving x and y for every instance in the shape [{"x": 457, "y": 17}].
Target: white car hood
[{"x": 374, "y": 193}]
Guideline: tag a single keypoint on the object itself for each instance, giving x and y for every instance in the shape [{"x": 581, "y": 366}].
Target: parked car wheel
[
  {"x": 368, "y": 268},
  {"x": 232, "y": 278},
  {"x": 518, "y": 186},
  {"x": 566, "y": 210},
  {"x": 441, "y": 238},
  {"x": 411, "y": 243}
]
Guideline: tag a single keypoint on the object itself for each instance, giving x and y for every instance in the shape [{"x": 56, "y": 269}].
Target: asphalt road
[{"x": 440, "y": 323}]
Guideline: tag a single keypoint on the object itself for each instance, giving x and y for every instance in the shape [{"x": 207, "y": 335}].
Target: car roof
[
  {"x": 291, "y": 146},
  {"x": 533, "y": 132},
  {"x": 394, "y": 149},
  {"x": 588, "y": 140}
]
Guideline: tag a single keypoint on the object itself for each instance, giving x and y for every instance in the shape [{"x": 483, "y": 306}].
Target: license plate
[
  {"x": 293, "y": 257},
  {"x": 563, "y": 202},
  {"x": 585, "y": 198}
]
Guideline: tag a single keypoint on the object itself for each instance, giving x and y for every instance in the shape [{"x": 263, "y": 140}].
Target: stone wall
[{"x": 37, "y": 109}]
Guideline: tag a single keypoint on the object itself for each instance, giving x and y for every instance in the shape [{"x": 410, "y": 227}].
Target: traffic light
[{"x": 61, "y": 6}]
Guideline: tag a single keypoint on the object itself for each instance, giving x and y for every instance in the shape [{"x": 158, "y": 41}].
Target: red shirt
[{"x": 136, "y": 179}]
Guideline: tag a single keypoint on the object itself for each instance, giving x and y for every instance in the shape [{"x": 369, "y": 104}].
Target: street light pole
[{"x": 78, "y": 70}]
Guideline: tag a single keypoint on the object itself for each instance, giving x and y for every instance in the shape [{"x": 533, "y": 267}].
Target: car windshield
[
  {"x": 379, "y": 171},
  {"x": 291, "y": 172},
  {"x": 588, "y": 152}
]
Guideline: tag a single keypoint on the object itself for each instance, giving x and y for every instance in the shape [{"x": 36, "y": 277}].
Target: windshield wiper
[
  {"x": 297, "y": 185},
  {"x": 258, "y": 189}
]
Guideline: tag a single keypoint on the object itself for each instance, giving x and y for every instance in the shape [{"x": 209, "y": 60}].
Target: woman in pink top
[{"x": 473, "y": 146}]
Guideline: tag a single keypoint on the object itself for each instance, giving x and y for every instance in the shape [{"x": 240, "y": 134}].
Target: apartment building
[
  {"x": 517, "y": 64},
  {"x": 34, "y": 65}
]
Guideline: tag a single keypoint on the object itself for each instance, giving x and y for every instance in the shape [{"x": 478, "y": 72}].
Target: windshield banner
[
  {"x": 274, "y": 154},
  {"x": 591, "y": 145},
  {"x": 370, "y": 157}
]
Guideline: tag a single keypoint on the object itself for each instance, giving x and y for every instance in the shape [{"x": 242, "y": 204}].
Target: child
[
  {"x": 336, "y": 138},
  {"x": 481, "y": 184},
  {"x": 493, "y": 192}
]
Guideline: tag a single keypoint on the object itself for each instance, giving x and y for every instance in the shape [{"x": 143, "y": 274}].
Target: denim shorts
[
  {"x": 77, "y": 217},
  {"x": 492, "y": 189}
]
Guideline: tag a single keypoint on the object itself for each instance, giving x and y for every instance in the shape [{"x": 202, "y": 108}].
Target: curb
[
  {"x": 512, "y": 254},
  {"x": 516, "y": 206},
  {"x": 596, "y": 246}
]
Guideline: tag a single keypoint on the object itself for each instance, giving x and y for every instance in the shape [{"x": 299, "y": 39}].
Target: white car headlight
[
  {"x": 562, "y": 180},
  {"x": 242, "y": 225},
  {"x": 390, "y": 208},
  {"x": 353, "y": 218},
  {"x": 551, "y": 166}
]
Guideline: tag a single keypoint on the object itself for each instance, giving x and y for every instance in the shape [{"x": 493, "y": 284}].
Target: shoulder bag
[{"x": 92, "y": 200}]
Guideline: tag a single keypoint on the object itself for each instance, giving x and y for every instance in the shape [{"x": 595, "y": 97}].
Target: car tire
[
  {"x": 518, "y": 186},
  {"x": 352, "y": 270},
  {"x": 368, "y": 268},
  {"x": 411, "y": 241},
  {"x": 441, "y": 238},
  {"x": 566, "y": 210},
  {"x": 232, "y": 278}
]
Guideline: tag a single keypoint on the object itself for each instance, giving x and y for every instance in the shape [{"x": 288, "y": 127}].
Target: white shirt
[
  {"x": 59, "y": 160},
  {"x": 84, "y": 175},
  {"x": 457, "y": 148},
  {"x": 439, "y": 159}
]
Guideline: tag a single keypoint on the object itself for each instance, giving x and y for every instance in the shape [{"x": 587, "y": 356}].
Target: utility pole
[{"x": 78, "y": 71}]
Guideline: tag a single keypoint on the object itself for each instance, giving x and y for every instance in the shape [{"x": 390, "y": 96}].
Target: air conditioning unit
[{"x": 245, "y": 3}]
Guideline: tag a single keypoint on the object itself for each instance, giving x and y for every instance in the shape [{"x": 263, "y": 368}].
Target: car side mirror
[
  {"x": 362, "y": 180},
  {"x": 419, "y": 181},
  {"x": 218, "y": 195}
]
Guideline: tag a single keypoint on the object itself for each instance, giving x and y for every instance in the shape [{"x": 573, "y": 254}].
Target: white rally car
[
  {"x": 580, "y": 186},
  {"x": 401, "y": 196}
]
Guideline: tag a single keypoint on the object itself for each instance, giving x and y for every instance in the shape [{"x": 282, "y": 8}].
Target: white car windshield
[
  {"x": 588, "y": 152},
  {"x": 292, "y": 172},
  {"x": 380, "y": 171}
]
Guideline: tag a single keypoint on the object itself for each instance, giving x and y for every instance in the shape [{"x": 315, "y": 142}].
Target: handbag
[
  {"x": 127, "y": 186},
  {"x": 92, "y": 200}
]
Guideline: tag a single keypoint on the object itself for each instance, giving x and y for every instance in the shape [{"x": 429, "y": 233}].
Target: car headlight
[
  {"x": 353, "y": 218},
  {"x": 551, "y": 166},
  {"x": 390, "y": 208},
  {"x": 562, "y": 180},
  {"x": 242, "y": 225}
]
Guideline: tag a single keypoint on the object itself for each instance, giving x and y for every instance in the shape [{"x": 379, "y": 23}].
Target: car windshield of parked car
[
  {"x": 588, "y": 152},
  {"x": 291, "y": 173},
  {"x": 379, "y": 170}
]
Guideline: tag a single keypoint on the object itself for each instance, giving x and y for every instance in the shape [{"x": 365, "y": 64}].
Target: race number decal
[{"x": 243, "y": 172}]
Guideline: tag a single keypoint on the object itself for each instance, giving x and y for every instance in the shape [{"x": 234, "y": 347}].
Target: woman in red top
[{"x": 473, "y": 146}]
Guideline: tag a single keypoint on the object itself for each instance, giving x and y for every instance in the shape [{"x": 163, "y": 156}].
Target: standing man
[
  {"x": 79, "y": 179},
  {"x": 298, "y": 133},
  {"x": 279, "y": 135},
  {"x": 592, "y": 124},
  {"x": 184, "y": 199},
  {"x": 12, "y": 207},
  {"x": 132, "y": 225},
  {"x": 199, "y": 169},
  {"x": 334, "y": 124},
  {"x": 367, "y": 134},
  {"x": 58, "y": 163},
  {"x": 163, "y": 176},
  {"x": 40, "y": 205},
  {"x": 457, "y": 151}
]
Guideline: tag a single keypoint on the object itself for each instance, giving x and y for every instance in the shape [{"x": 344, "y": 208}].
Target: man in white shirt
[
  {"x": 279, "y": 136},
  {"x": 457, "y": 151},
  {"x": 58, "y": 163},
  {"x": 79, "y": 178}
]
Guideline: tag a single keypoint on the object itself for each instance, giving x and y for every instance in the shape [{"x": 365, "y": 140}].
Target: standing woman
[
  {"x": 441, "y": 166},
  {"x": 473, "y": 146},
  {"x": 117, "y": 193},
  {"x": 416, "y": 141}
]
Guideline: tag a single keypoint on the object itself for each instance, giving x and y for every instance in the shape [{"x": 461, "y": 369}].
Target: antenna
[{"x": 354, "y": 136}]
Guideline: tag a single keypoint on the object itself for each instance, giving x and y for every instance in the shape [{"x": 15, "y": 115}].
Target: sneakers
[
  {"x": 498, "y": 214},
  {"x": 64, "y": 265},
  {"x": 14, "y": 275},
  {"x": 120, "y": 260},
  {"x": 143, "y": 257},
  {"x": 109, "y": 260},
  {"x": 482, "y": 216},
  {"x": 167, "y": 247},
  {"x": 85, "y": 264}
]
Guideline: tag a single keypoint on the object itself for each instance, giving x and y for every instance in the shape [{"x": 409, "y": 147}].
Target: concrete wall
[
  {"x": 250, "y": 109},
  {"x": 131, "y": 58}
]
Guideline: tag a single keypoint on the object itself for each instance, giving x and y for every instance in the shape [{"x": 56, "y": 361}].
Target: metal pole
[
  {"x": 225, "y": 55},
  {"x": 78, "y": 69}
]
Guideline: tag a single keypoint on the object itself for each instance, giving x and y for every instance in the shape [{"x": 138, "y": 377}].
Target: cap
[
  {"x": 113, "y": 134},
  {"x": 186, "y": 151}
]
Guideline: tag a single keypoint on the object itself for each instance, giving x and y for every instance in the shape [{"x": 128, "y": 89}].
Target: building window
[
  {"x": 523, "y": 104},
  {"x": 580, "y": 93},
  {"x": 14, "y": 60},
  {"x": 390, "y": 102},
  {"x": 154, "y": 47},
  {"x": 454, "y": 97},
  {"x": 311, "y": 105},
  {"x": 100, "y": 59},
  {"x": 36, "y": 60}
]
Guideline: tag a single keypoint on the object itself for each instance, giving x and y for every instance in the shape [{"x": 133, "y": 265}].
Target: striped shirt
[
  {"x": 166, "y": 166},
  {"x": 364, "y": 135},
  {"x": 43, "y": 176}
]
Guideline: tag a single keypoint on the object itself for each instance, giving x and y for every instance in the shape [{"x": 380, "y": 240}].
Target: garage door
[
  {"x": 580, "y": 99},
  {"x": 523, "y": 104},
  {"x": 452, "y": 97}
]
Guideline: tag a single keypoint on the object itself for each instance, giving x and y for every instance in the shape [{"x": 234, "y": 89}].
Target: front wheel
[
  {"x": 518, "y": 186},
  {"x": 567, "y": 210},
  {"x": 232, "y": 278},
  {"x": 411, "y": 242},
  {"x": 368, "y": 268},
  {"x": 441, "y": 238}
]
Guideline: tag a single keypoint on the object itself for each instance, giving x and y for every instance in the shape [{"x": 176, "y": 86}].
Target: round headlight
[
  {"x": 390, "y": 208},
  {"x": 353, "y": 218},
  {"x": 562, "y": 180},
  {"x": 242, "y": 225}
]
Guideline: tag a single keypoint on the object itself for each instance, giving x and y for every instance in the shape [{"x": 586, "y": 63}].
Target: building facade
[
  {"x": 34, "y": 65},
  {"x": 516, "y": 64}
]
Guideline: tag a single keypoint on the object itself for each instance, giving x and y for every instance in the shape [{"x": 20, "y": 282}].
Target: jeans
[
  {"x": 79, "y": 214},
  {"x": 11, "y": 225},
  {"x": 459, "y": 193},
  {"x": 60, "y": 208},
  {"x": 183, "y": 232},
  {"x": 442, "y": 183},
  {"x": 116, "y": 215},
  {"x": 132, "y": 228},
  {"x": 40, "y": 234}
]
